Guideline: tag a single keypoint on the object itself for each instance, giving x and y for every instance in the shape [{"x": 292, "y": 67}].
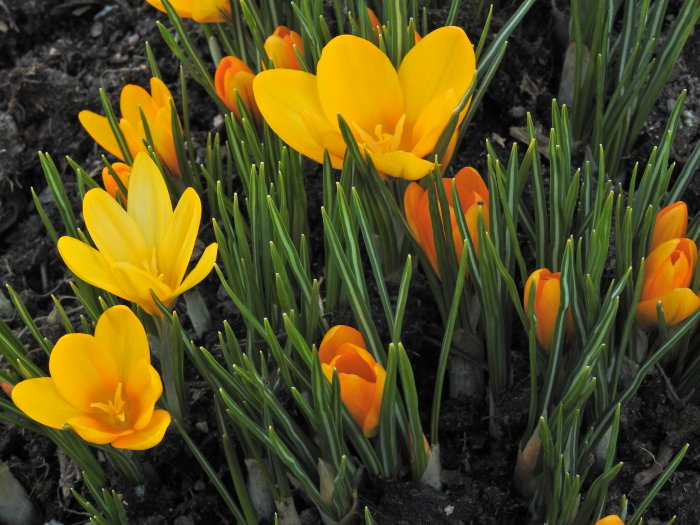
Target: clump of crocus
[
  {"x": 280, "y": 46},
  {"x": 671, "y": 223},
  {"x": 612, "y": 519},
  {"x": 145, "y": 248},
  {"x": 668, "y": 271},
  {"x": 122, "y": 171},
  {"x": 102, "y": 386},
  {"x": 234, "y": 76},
  {"x": 202, "y": 11},
  {"x": 547, "y": 300},
  {"x": 157, "y": 112},
  {"x": 397, "y": 117},
  {"x": 361, "y": 377},
  {"x": 473, "y": 194}
]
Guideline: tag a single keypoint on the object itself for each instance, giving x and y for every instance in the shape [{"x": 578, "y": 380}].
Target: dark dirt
[{"x": 55, "y": 55}]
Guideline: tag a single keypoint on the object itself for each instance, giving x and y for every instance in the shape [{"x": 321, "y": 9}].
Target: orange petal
[
  {"x": 143, "y": 389},
  {"x": 335, "y": 337},
  {"x": 671, "y": 223},
  {"x": 358, "y": 395},
  {"x": 678, "y": 305},
  {"x": 96, "y": 431}
]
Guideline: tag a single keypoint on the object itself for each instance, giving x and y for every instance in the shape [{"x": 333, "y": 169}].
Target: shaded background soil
[{"x": 55, "y": 55}]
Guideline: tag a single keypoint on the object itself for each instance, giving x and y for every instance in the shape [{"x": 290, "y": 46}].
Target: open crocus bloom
[
  {"x": 104, "y": 386},
  {"x": 145, "y": 248},
  {"x": 668, "y": 272},
  {"x": 234, "y": 76},
  {"x": 199, "y": 10},
  {"x": 280, "y": 45},
  {"x": 158, "y": 114},
  {"x": 547, "y": 299},
  {"x": 396, "y": 116},
  {"x": 472, "y": 193},
  {"x": 671, "y": 223},
  {"x": 361, "y": 377}
]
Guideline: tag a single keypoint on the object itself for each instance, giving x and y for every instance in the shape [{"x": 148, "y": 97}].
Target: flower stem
[{"x": 171, "y": 355}]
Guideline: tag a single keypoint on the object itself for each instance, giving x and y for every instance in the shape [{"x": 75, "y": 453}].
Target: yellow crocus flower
[
  {"x": 146, "y": 247},
  {"x": 199, "y": 10},
  {"x": 158, "y": 114},
  {"x": 103, "y": 386},
  {"x": 396, "y": 116}
]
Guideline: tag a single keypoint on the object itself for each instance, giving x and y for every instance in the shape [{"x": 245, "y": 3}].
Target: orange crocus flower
[
  {"x": 280, "y": 45},
  {"x": 668, "y": 272},
  {"x": 547, "y": 300},
  {"x": 234, "y": 76},
  {"x": 199, "y": 10},
  {"x": 613, "y": 519},
  {"x": 123, "y": 171},
  {"x": 671, "y": 223},
  {"x": 472, "y": 192},
  {"x": 103, "y": 386},
  {"x": 157, "y": 113},
  {"x": 361, "y": 377}
]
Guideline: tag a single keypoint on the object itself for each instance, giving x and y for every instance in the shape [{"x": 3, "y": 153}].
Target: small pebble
[
  {"x": 96, "y": 29},
  {"x": 202, "y": 426}
]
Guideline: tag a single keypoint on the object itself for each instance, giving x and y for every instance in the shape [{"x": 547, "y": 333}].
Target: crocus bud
[
  {"x": 671, "y": 223},
  {"x": 547, "y": 298},
  {"x": 668, "y": 272},
  {"x": 361, "y": 377},
  {"x": 280, "y": 45},
  {"x": 377, "y": 25},
  {"x": 7, "y": 388},
  {"x": 234, "y": 76},
  {"x": 472, "y": 193},
  {"x": 613, "y": 519},
  {"x": 123, "y": 172}
]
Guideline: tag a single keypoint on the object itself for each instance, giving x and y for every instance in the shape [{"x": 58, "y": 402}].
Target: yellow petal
[
  {"x": 160, "y": 93},
  {"x": 282, "y": 95},
  {"x": 98, "y": 128},
  {"x": 83, "y": 370},
  {"x": 443, "y": 60},
  {"x": 678, "y": 305},
  {"x": 323, "y": 133},
  {"x": 143, "y": 389},
  {"x": 148, "y": 200},
  {"x": 87, "y": 264},
  {"x": 40, "y": 400},
  {"x": 123, "y": 335},
  {"x": 149, "y": 436},
  {"x": 138, "y": 284},
  {"x": 430, "y": 124},
  {"x": 115, "y": 233},
  {"x": 336, "y": 337},
  {"x": 356, "y": 79},
  {"x": 200, "y": 271},
  {"x": 401, "y": 164},
  {"x": 210, "y": 11},
  {"x": 96, "y": 431},
  {"x": 177, "y": 242},
  {"x": 131, "y": 99},
  {"x": 133, "y": 135}
]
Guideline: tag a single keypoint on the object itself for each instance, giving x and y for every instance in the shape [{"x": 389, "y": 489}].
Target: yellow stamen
[{"x": 115, "y": 407}]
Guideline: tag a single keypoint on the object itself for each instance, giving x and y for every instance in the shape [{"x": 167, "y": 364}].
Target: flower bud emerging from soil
[
  {"x": 102, "y": 386},
  {"x": 671, "y": 223},
  {"x": 234, "y": 76},
  {"x": 280, "y": 46},
  {"x": 668, "y": 271},
  {"x": 473, "y": 194},
  {"x": 361, "y": 377},
  {"x": 123, "y": 172},
  {"x": 547, "y": 299},
  {"x": 395, "y": 116}
]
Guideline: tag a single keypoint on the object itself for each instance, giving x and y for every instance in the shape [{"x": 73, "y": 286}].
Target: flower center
[
  {"x": 151, "y": 266},
  {"x": 381, "y": 142},
  {"x": 115, "y": 408}
]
